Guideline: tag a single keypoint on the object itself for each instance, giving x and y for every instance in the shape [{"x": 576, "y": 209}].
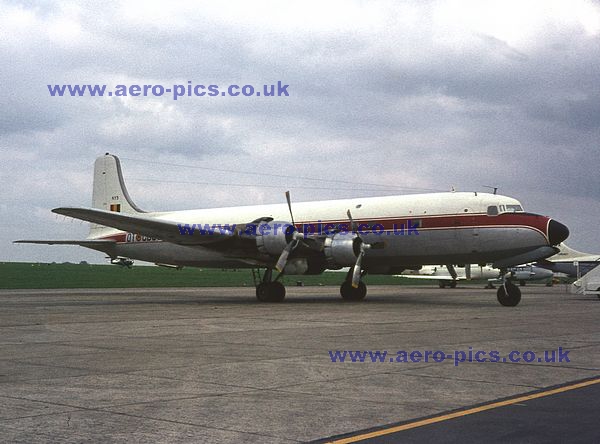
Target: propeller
[{"x": 293, "y": 243}]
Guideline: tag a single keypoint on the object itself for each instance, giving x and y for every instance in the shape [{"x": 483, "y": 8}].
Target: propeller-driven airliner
[{"x": 375, "y": 235}]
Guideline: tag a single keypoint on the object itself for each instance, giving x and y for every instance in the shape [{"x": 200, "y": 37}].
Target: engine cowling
[
  {"x": 341, "y": 250},
  {"x": 272, "y": 237}
]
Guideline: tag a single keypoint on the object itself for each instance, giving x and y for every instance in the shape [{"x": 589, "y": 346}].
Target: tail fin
[
  {"x": 567, "y": 253},
  {"x": 109, "y": 192}
]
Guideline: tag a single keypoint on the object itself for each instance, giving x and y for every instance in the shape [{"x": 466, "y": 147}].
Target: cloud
[{"x": 427, "y": 95}]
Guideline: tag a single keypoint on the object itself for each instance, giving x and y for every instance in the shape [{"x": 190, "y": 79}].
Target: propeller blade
[
  {"x": 289, "y": 202},
  {"x": 283, "y": 257},
  {"x": 282, "y": 261},
  {"x": 357, "y": 270},
  {"x": 352, "y": 223}
]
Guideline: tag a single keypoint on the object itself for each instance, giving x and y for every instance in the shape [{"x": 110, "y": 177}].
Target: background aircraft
[
  {"x": 441, "y": 273},
  {"x": 379, "y": 235},
  {"x": 571, "y": 262}
]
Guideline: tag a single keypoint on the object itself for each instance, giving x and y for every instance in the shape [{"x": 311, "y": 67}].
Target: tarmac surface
[{"x": 215, "y": 365}]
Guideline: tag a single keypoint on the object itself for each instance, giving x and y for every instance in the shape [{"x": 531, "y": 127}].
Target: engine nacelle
[
  {"x": 341, "y": 250},
  {"x": 272, "y": 237}
]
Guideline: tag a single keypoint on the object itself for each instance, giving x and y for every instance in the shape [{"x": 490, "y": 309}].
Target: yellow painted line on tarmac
[{"x": 493, "y": 405}]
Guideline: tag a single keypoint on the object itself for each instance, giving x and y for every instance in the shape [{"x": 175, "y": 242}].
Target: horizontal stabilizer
[
  {"x": 81, "y": 243},
  {"x": 106, "y": 246},
  {"x": 145, "y": 225}
]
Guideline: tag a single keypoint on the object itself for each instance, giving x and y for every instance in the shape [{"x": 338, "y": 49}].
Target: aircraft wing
[{"x": 148, "y": 226}]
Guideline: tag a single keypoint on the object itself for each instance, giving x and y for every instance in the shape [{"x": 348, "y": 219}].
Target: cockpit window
[
  {"x": 493, "y": 210},
  {"x": 514, "y": 208}
]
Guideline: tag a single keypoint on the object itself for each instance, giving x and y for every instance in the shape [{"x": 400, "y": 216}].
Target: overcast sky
[{"x": 409, "y": 95}]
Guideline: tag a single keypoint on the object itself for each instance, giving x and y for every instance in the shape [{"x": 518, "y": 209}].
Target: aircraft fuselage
[{"x": 450, "y": 228}]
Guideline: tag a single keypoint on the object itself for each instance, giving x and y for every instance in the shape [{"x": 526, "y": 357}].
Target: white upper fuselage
[{"x": 415, "y": 206}]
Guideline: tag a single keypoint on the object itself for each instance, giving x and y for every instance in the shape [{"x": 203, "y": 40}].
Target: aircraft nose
[{"x": 557, "y": 232}]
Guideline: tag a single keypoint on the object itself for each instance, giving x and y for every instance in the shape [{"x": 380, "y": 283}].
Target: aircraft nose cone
[{"x": 557, "y": 232}]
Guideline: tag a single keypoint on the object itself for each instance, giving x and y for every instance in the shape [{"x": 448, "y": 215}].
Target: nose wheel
[
  {"x": 349, "y": 293},
  {"x": 509, "y": 294}
]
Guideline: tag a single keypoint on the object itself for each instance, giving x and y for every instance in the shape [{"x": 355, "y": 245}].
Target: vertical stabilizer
[
  {"x": 109, "y": 192},
  {"x": 566, "y": 253}
]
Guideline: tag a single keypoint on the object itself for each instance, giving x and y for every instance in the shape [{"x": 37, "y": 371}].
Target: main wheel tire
[
  {"x": 270, "y": 292},
  {"x": 453, "y": 284},
  {"x": 509, "y": 295},
  {"x": 277, "y": 291},
  {"x": 349, "y": 293},
  {"x": 262, "y": 292},
  {"x": 442, "y": 284}
]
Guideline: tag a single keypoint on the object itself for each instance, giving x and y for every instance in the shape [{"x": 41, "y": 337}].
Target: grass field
[{"x": 14, "y": 275}]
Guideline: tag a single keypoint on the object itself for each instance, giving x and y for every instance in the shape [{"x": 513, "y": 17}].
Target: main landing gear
[
  {"x": 509, "y": 294},
  {"x": 269, "y": 290}
]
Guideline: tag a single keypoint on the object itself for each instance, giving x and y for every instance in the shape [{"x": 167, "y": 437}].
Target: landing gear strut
[
  {"x": 509, "y": 294},
  {"x": 268, "y": 290}
]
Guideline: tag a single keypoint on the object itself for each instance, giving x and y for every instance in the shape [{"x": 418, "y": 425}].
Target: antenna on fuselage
[{"x": 493, "y": 188}]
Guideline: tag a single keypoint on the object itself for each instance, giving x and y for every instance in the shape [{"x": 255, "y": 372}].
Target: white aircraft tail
[
  {"x": 566, "y": 253},
  {"x": 109, "y": 192}
]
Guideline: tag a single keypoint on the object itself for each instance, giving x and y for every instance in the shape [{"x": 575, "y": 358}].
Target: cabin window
[{"x": 492, "y": 210}]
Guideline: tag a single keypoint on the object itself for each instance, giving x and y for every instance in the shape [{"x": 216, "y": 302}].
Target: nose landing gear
[{"x": 509, "y": 294}]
